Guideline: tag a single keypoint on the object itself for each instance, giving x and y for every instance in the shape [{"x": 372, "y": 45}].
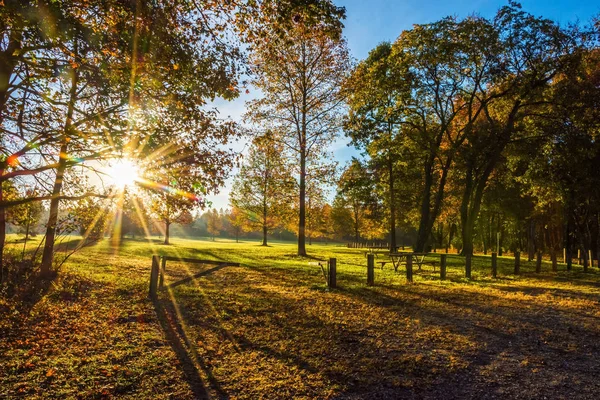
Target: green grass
[{"x": 271, "y": 329}]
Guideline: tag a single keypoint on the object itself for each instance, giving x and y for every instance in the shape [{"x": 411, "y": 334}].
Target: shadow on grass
[
  {"x": 183, "y": 348},
  {"x": 192, "y": 364},
  {"x": 193, "y": 277},
  {"x": 25, "y": 294}
]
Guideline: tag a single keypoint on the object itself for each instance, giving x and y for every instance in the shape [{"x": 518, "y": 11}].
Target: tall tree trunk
[
  {"x": 264, "y": 218},
  {"x": 568, "y": 244},
  {"x": 8, "y": 63},
  {"x": 466, "y": 224},
  {"x": 2, "y": 231},
  {"x": 302, "y": 216},
  {"x": 167, "y": 226},
  {"x": 303, "y": 154},
  {"x": 393, "y": 244},
  {"x": 423, "y": 232},
  {"x": 429, "y": 213},
  {"x": 48, "y": 254},
  {"x": 356, "y": 211},
  {"x": 484, "y": 242},
  {"x": 475, "y": 205},
  {"x": 501, "y": 233},
  {"x": 471, "y": 204},
  {"x": 531, "y": 240}
]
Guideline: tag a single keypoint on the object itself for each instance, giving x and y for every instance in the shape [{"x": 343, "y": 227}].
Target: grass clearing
[{"x": 270, "y": 328}]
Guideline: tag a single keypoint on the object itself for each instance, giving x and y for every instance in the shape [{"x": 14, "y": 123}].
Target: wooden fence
[{"x": 159, "y": 266}]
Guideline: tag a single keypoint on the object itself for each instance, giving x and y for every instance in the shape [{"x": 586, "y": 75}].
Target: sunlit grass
[{"x": 270, "y": 328}]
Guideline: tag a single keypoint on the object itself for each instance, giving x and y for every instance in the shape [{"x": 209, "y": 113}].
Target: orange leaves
[{"x": 13, "y": 160}]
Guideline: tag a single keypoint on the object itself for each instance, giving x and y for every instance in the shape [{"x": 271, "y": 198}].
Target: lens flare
[{"x": 123, "y": 173}]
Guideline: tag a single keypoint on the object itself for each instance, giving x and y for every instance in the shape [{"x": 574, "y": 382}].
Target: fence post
[
  {"x": 494, "y": 265},
  {"x": 517, "y": 263},
  {"x": 578, "y": 256},
  {"x": 153, "y": 277},
  {"x": 163, "y": 266},
  {"x": 564, "y": 255},
  {"x": 538, "y": 262},
  {"x": 443, "y": 266},
  {"x": 591, "y": 258},
  {"x": 332, "y": 281},
  {"x": 468, "y": 266},
  {"x": 371, "y": 269},
  {"x": 409, "y": 271}
]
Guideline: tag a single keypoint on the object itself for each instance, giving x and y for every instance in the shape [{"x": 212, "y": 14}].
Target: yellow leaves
[
  {"x": 175, "y": 67},
  {"x": 50, "y": 373}
]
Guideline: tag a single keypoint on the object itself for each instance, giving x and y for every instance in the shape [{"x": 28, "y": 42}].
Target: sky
[{"x": 370, "y": 22}]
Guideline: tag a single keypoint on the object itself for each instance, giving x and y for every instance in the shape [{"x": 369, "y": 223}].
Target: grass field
[{"x": 270, "y": 328}]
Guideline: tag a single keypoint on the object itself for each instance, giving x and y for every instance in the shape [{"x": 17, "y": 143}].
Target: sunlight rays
[{"x": 124, "y": 172}]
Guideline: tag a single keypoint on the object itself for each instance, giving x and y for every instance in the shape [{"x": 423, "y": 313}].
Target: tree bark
[
  {"x": 48, "y": 254},
  {"x": 356, "y": 211},
  {"x": 302, "y": 216},
  {"x": 264, "y": 242},
  {"x": 530, "y": 240},
  {"x": 392, "y": 204},
  {"x": 265, "y": 212},
  {"x": 466, "y": 224},
  {"x": 423, "y": 234},
  {"x": 2, "y": 232},
  {"x": 167, "y": 226},
  {"x": 568, "y": 244},
  {"x": 8, "y": 62},
  {"x": 430, "y": 212}
]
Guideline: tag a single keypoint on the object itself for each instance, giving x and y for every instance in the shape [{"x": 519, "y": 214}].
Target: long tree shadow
[{"x": 173, "y": 327}]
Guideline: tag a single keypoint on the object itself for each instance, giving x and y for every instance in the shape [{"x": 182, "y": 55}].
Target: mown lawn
[{"x": 270, "y": 329}]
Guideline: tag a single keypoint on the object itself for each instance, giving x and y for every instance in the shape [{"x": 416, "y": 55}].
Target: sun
[{"x": 123, "y": 172}]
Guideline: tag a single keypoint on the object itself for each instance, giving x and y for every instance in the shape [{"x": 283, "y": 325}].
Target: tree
[
  {"x": 172, "y": 205},
  {"x": 91, "y": 217},
  {"x": 237, "y": 220},
  {"x": 300, "y": 75},
  {"x": 355, "y": 191},
  {"x": 214, "y": 223},
  {"x": 532, "y": 52},
  {"x": 377, "y": 94},
  {"x": 26, "y": 216},
  {"x": 261, "y": 188}
]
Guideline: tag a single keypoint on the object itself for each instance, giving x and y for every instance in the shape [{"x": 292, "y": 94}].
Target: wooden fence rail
[{"x": 157, "y": 273}]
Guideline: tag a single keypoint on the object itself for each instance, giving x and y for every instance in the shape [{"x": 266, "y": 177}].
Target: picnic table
[
  {"x": 381, "y": 249},
  {"x": 398, "y": 258}
]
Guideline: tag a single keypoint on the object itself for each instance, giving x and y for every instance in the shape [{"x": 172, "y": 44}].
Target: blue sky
[{"x": 370, "y": 22}]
